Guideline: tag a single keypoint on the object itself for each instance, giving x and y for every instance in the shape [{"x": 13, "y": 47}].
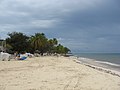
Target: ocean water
[{"x": 106, "y": 60}]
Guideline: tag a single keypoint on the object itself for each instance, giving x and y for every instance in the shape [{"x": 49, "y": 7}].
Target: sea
[{"x": 106, "y": 60}]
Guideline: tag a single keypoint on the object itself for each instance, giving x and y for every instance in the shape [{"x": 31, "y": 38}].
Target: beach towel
[{"x": 23, "y": 58}]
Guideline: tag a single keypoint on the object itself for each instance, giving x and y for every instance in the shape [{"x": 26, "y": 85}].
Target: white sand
[{"x": 54, "y": 73}]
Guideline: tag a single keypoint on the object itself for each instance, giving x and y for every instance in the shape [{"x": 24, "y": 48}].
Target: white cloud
[
  {"x": 6, "y": 27},
  {"x": 44, "y": 23}
]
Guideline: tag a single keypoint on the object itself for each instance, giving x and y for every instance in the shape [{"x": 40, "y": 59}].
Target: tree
[
  {"x": 55, "y": 41},
  {"x": 51, "y": 45},
  {"x": 66, "y": 50},
  {"x": 62, "y": 50},
  {"x": 17, "y": 41},
  {"x": 39, "y": 42}
]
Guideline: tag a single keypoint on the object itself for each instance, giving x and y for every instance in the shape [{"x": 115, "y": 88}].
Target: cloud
[
  {"x": 82, "y": 25},
  {"x": 44, "y": 23}
]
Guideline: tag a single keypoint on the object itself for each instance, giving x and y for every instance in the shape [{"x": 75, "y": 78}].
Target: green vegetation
[{"x": 19, "y": 42}]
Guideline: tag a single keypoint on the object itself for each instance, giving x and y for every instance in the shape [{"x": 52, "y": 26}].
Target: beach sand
[{"x": 54, "y": 73}]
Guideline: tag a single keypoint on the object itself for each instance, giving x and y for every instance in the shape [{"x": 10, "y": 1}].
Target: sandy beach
[{"x": 54, "y": 73}]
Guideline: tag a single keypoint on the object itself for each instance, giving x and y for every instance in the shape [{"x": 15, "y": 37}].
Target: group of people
[{"x": 17, "y": 56}]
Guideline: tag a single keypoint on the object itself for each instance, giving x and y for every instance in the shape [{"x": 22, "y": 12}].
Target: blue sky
[{"x": 81, "y": 25}]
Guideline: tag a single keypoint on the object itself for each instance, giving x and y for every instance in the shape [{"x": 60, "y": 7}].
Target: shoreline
[{"x": 100, "y": 68}]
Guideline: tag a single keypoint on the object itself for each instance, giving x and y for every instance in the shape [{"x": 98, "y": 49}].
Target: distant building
[{"x": 2, "y": 45}]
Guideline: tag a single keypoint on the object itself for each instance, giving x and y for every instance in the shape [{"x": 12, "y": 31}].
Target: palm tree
[
  {"x": 39, "y": 42},
  {"x": 51, "y": 45},
  {"x": 55, "y": 42}
]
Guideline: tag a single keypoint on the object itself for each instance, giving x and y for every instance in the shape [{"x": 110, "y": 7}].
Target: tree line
[{"x": 37, "y": 43}]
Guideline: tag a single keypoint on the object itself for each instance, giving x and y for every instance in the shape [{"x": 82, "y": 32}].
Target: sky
[{"x": 81, "y": 25}]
